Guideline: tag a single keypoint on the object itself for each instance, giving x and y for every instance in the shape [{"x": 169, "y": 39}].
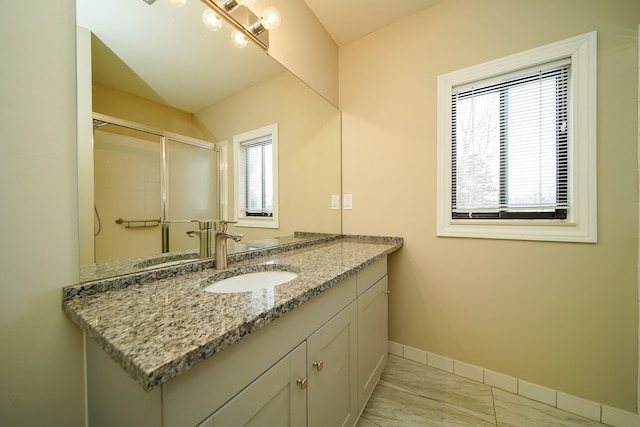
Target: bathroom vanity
[{"x": 161, "y": 351}]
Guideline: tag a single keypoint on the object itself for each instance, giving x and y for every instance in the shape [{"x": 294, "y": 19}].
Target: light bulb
[
  {"x": 211, "y": 20},
  {"x": 246, "y": 3},
  {"x": 239, "y": 39},
  {"x": 270, "y": 18},
  {"x": 177, "y": 3}
]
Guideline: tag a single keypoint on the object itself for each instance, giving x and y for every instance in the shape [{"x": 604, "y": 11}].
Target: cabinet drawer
[{"x": 371, "y": 274}]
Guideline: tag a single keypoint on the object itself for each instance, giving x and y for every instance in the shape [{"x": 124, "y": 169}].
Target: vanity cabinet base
[
  {"x": 256, "y": 378},
  {"x": 276, "y": 398},
  {"x": 373, "y": 344},
  {"x": 332, "y": 371}
]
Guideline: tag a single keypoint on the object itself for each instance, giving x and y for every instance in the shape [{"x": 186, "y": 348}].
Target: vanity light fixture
[
  {"x": 270, "y": 18},
  {"x": 211, "y": 20},
  {"x": 246, "y": 24},
  {"x": 239, "y": 39}
]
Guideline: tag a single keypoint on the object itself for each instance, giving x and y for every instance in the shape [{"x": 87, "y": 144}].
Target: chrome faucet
[
  {"x": 204, "y": 234},
  {"x": 221, "y": 243}
]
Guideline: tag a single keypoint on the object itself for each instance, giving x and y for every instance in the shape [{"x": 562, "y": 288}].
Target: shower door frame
[{"x": 164, "y": 184}]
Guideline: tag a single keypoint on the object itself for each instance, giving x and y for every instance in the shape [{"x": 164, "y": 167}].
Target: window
[
  {"x": 516, "y": 146},
  {"x": 509, "y": 146},
  {"x": 256, "y": 201}
]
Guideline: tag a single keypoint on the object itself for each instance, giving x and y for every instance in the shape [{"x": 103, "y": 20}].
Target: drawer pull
[
  {"x": 302, "y": 382},
  {"x": 319, "y": 364}
]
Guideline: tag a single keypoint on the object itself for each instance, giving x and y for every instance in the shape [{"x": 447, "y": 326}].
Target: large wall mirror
[{"x": 170, "y": 95}]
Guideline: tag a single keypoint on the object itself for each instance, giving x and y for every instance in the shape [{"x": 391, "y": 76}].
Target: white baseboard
[{"x": 557, "y": 399}]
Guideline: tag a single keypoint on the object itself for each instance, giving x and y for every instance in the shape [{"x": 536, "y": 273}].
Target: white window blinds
[
  {"x": 509, "y": 145},
  {"x": 258, "y": 177}
]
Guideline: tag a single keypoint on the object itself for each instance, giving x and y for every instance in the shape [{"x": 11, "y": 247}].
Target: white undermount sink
[{"x": 251, "y": 281}]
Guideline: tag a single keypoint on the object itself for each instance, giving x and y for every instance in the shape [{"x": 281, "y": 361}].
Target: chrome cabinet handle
[
  {"x": 318, "y": 364},
  {"x": 302, "y": 382}
]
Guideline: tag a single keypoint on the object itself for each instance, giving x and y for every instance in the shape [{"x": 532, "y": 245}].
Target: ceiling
[
  {"x": 135, "y": 48},
  {"x": 164, "y": 54},
  {"x": 348, "y": 20}
]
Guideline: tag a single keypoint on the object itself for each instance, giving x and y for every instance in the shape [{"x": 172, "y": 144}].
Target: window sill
[
  {"x": 548, "y": 230},
  {"x": 257, "y": 222}
]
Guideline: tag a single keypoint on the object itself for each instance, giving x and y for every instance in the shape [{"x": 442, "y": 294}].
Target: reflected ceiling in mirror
[{"x": 165, "y": 53}]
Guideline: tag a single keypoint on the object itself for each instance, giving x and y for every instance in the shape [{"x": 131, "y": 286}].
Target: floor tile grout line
[
  {"x": 493, "y": 403},
  {"x": 550, "y": 406},
  {"x": 517, "y": 393},
  {"x": 370, "y": 421},
  {"x": 458, "y": 408},
  {"x": 496, "y": 399},
  {"x": 388, "y": 382}
]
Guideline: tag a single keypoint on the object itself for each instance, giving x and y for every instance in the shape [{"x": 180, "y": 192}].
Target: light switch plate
[
  {"x": 335, "y": 202},
  {"x": 348, "y": 202}
]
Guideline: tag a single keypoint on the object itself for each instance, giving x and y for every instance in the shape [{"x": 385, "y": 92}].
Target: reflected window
[
  {"x": 256, "y": 173},
  {"x": 257, "y": 161}
]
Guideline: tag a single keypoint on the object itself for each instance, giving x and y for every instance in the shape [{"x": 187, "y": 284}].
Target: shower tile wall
[{"x": 127, "y": 185}]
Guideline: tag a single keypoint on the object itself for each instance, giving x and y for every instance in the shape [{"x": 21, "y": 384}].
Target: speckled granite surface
[{"x": 158, "y": 324}]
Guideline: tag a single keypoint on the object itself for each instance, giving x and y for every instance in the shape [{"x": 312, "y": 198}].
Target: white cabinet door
[
  {"x": 276, "y": 398},
  {"x": 372, "y": 338},
  {"x": 332, "y": 371}
]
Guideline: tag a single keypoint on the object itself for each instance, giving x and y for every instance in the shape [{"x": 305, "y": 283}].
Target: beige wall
[
  {"x": 302, "y": 45},
  {"x": 129, "y": 107},
  {"x": 308, "y": 150},
  {"x": 41, "y": 369},
  {"x": 561, "y": 315}
]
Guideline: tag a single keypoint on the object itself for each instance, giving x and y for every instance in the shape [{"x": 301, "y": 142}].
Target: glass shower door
[{"x": 193, "y": 190}]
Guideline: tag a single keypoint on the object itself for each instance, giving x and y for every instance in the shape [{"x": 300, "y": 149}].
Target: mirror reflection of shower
[
  {"x": 97, "y": 124},
  {"x": 146, "y": 180},
  {"x": 98, "y": 220}
]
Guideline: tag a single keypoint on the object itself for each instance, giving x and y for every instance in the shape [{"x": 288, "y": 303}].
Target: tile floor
[{"x": 412, "y": 394}]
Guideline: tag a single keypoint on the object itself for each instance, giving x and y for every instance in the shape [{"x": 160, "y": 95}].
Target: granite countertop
[{"x": 158, "y": 324}]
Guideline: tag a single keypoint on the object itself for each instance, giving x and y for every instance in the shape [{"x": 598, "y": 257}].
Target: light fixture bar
[
  {"x": 257, "y": 28},
  {"x": 234, "y": 22}
]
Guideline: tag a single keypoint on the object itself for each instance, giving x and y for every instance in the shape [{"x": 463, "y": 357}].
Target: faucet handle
[{"x": 223, "y": 224}]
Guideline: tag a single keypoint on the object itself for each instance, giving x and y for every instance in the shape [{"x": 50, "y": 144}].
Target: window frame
[
  {"x": 580, "y": 224},
  {"x": 239, "y": 141},
  {"x": 501, "y": 86}
]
